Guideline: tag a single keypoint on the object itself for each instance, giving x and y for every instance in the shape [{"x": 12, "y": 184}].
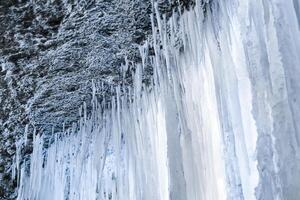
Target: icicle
[{"x": 218, "y": 122}]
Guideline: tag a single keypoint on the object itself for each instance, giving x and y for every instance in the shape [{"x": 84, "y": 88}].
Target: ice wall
[{"x": 219, "y": 118}]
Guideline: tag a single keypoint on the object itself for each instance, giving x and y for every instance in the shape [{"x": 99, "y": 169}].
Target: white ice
[{"x": 219, "y": 120}]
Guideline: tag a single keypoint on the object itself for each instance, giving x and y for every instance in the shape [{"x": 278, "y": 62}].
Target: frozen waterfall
[{"x": 219, "y": 119}]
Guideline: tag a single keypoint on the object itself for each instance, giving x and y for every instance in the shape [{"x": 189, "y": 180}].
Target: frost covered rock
[{"x": 50, "y": 52}]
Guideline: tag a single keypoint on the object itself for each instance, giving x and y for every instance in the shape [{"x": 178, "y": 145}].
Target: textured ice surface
[{"x": 218, "y": 120}]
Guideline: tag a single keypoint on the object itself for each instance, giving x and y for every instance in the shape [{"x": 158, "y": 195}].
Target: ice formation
[{"x": 218, "y": 120}]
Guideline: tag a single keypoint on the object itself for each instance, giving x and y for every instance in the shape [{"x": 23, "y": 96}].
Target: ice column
[{"x": 218, "y": 119}]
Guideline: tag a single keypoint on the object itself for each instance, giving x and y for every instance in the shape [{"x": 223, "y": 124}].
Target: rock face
[{"x": 50, "y": 51}]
